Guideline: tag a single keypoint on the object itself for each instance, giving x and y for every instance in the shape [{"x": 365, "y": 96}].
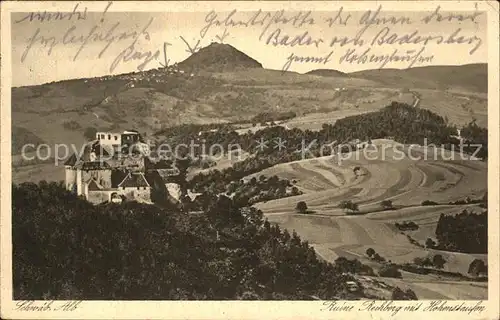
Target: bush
[
  {"x": 344, "y": 265},
  {"x": 378, "y": 258},
  {"x": 398, "y": 294},
  {"x": 477, "y": 267},
  {"x": 414, "y": 269},
  {"x": 405, "y": 226},
  {"x": 89, "y": 133},
  {"x": 295, "y": 191},
  {"x": 390, "y": 271},
  {"x": 72, "y": 125},
  {"x": 386, "y": 205},
  {"x": 349, "y": 205},
  {"x": 429, "y": 203},
  {"x": 429, "y": 243},
  {"x": 370, "y": 252},
  {"x": 438, "y": 261}
]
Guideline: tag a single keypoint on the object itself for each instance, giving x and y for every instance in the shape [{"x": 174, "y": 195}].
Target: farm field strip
[
  {"x": 352, "y": 233},
  {"x": 405, "y": 177},
  {"x": 316, "y": 178},
  {"x": 420, "y": 289},
  {"x": 413, "y": 213},
  {"x": 380, "y": 233},
  {"x": 334, "y": 177},
  {"x": 436, "y": 175},
  {"x": 343, "y": 173},
  {"x": 451, "y": 169},
  {"x": 314, "y": 201}
]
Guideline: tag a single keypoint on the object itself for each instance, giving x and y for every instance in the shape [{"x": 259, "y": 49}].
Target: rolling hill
[
  {"x": 326, "y": 181},
  {"x": 327, "y": 73},
  {"x": 471, "y": 77},
  {"x": 219, "y": 57},
  {"x": 222, "y": 84}
]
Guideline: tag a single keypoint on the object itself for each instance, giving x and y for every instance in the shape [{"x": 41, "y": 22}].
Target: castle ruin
[{"x": 118, "y": 167}]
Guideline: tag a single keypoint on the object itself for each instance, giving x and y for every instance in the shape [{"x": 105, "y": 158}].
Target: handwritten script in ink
[
  {"x": 379, "y": 37},
  {"x": 83, "y": 36},
  {"x": 375, "y": 37}
]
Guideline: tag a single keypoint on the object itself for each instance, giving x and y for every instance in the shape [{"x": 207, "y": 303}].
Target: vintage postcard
[{"x": 249, "y": 160}]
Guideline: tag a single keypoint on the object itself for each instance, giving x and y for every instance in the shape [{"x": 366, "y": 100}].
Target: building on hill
[
  {"x": 103, "y": 176},
  {"x": 133, "y": 187},
  {"x": 79, "y": 173},
  {"x": 128, "y": 137}
]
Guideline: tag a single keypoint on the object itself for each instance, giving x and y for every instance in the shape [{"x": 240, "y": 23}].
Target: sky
[{"x": 53, "y": 50}]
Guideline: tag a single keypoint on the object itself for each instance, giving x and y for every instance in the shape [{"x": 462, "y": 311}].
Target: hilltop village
[{"x": 118, "y": 167}]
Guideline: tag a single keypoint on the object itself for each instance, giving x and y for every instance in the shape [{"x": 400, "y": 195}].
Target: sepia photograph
[{"x": 334, "y": 154}]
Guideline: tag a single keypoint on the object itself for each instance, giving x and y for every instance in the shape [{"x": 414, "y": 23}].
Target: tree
[
  {"x": 301, "y": 207},
  {"x": 370, "y": 252},
  {"x": 398, "y": 294},
  {"x": 344, "y": 265},
  {"x": 349, "y": 205},
  {"x": 477, "y": 267},
  {"x": 344, "y": 204},
  {"x": 484, "y": 200},
  {"x": 464, "y": 232},
  {"x": 429, "y": 243},
  {"x": 411, "y": 294},
  {"x": 386, "y": 204},
  {"x": 90, "y": 133},
  {"x": 250, "y": 264},
  {"x": 295, "y": 191},
  {"x": 354, "y": 207},
  {"x": 418, "y": 261},
  {"x": 427, "y": 262},
  {"x": 438, "y": 261},
  {"x": 390, "y": 271},
  {"x": 429, "y": 203},
  {"x": 378, "y": 258}
]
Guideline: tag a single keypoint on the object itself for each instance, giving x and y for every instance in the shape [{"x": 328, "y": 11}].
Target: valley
[{"x": 417, "y": 183}]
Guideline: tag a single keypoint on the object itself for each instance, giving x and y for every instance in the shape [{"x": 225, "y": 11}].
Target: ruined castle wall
[
  {"x": 174, "y": 190},
  {"x": 80, "y": 187},
  {"x": 70, "y": 179},
  {"x": 141, "y": 195},
  {"x": 103, "y": 177},
  {"x": 97, "y": 197},
  {"x": 133, "y": 163}
]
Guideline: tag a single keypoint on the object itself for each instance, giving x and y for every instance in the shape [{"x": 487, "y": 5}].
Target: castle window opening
[
  {"x": 109, "y": 137},
  {"x": 102, "y": 136}
]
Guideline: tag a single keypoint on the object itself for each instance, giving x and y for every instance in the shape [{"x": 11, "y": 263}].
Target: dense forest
[
  {"x": 474, "y": 134},
  {"x": 265, "y": 117},
  {"x": 465, "y": 232},
  {"x": 66, "y": 248},
  {"x": 400, "y": 122}
]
